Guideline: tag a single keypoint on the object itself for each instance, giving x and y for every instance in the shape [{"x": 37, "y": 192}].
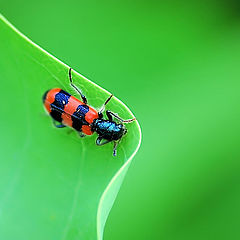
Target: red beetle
[{"x": 67, "y": 110}]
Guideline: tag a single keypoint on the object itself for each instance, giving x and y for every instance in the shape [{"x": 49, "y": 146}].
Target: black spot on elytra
[
  {"x": 61, "y": 99},
  {"x": 78, "y": 117}
]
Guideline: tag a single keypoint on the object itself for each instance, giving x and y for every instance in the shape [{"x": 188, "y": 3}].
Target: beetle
[{"x": 66, "y": 110}]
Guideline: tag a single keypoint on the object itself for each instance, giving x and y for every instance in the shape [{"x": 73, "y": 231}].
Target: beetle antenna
[
  {"x": 84, "y": 99},
  {"x": 104, "y": 105}
]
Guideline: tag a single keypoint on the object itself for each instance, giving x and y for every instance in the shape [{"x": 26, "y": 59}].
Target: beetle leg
[
  {"x": 81, "y": 134},
  {"x": 111, "y": 114},
  {"x": 99, "y": 143},
  {"x": 104, "y": 105},
  {"x": 84, "y": 99},
  {"x": 58, "y": 125},
  {"x": 115, "y": 149}
]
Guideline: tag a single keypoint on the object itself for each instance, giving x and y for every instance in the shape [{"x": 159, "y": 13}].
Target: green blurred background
[{"x": 176, "y": 65}]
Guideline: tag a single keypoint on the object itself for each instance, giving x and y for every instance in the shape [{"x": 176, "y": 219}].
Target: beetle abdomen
[{"x": 69, "y": 110}]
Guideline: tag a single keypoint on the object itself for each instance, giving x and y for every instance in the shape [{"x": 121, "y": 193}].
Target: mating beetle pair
[{"x": 66, "y": 110}]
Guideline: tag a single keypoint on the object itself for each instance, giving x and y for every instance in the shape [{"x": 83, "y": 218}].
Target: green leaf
[{"x": 54, "y": 185}]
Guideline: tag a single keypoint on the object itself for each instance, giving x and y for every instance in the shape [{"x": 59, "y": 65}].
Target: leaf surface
[{"x": 54, "y": 185}]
